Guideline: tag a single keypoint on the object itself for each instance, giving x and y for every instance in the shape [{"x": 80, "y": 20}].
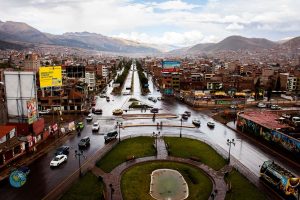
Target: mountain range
[{"x": 18, "y": 35}]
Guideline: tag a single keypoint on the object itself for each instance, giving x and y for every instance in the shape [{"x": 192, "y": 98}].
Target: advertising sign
[
  {"x": 170, "y": 66},
  {"x": 50, "y": 76},
  {"x": 31, "y": 111}
]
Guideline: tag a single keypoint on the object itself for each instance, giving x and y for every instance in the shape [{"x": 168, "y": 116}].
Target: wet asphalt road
[{"x": 43, "y": 179}]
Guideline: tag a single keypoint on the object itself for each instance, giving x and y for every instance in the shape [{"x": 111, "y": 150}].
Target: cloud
[
  {"x": 169, "y": 38},
  {"x": 169, "y": 21},
  {"x": 174, "y": 5},
  {"x": 234, "y": 26}
]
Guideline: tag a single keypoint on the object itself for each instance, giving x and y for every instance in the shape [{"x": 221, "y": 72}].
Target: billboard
[
  {"x": 20, "y": 88},
  {"x": 170, "y": 66},
  {"x": 50, "y": 76},
  {"x": 31, "y": 111}
]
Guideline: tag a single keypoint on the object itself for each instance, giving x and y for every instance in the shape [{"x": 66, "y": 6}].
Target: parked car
[
  {"x": 96, "y": 126},
  {"x": 196, "y": 122},
  {"x": 89, "y": 118},
  {"x": 107, "y": 99},
  {"x": 63, "y": 150},
  {"x": 154, "y": 110},
  {"x": 58, "y": 160},
  {"x": 184, "y": 116},
  {"x": 117, "y": 112},
  {"x": 126, "y": 93},
  {"x": 110, "y": 136},
  {"x": 98, "y": 111},
  {"x": 188, "y": 113},
  {"x": 84, "y": 142},
  {"x": 275, "y": 107},
  {"x": 261, "y": 105},
  {"x": 103, "y": 95},
  {"x": 160, "y": 98}
]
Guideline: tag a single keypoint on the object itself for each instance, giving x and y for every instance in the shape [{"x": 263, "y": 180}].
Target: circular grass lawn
[{"x": 135, "y": 182}]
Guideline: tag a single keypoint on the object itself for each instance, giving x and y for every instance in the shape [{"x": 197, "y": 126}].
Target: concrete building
[
  {"x": 32, "y": 62},
  {"x": 10, "y": 146},
  {"x": 90, "y": 80}
]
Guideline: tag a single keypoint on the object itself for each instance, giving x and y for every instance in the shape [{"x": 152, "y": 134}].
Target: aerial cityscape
[{"x": 141, "y": 100}]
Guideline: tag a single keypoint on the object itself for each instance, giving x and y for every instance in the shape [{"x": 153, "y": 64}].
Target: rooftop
[
  {"x": 269, "y": 119},
  {"x": 5, "y": 129}
]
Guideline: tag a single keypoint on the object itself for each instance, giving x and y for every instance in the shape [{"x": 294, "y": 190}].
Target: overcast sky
[{"x": 176, "y": 22}]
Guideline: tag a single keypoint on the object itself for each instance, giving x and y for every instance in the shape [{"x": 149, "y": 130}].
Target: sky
[{"x": 172, "y": 22}]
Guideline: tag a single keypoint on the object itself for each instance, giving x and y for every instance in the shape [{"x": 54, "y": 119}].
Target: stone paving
[{"x": 114, "y": 177}]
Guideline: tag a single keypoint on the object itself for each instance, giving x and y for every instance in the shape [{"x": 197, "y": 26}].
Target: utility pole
[
  {"x": 79, "y": 154},
  {"x": 229, "y": 143}
]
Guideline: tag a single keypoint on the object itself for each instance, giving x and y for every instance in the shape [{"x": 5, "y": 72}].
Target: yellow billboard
[{"x": 50, "y": 76}]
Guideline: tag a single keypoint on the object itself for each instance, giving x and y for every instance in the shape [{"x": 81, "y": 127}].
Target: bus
[{"x": 280, "y": 179}]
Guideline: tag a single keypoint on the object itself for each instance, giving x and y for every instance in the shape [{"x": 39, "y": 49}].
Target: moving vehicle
[
  {"x": 154, "y": 110},
  {"x": 211, "y": 124},
  {"x": 110, "y": 136},
  {"x": 188, "y": 113},
  {"x": 98, "y": 111},
  {"x": 261, "y": 105},
  {"x": 96, "y": 126},
  {"x": 89, "y": 118},
  {"x": 102, "y": 95},
  {"x": 184, "y": 116},
  {"x": 196, "y": 122},
  {"x": 117, "y": 112},
  {"x": 282, "y": 180},
  {"x": 126, "y": 93},
  {"x": 79, "y": 126},
  {"x": 107, "y": 99},
  {"x": 296, "y": 120},
  {"x": 58, "y": 160},
  {"x": 153, "y": 99},
  {"x": 84, "y": 142},
  {"x": 63, "y": 150},
  {"x": 275, "y": 107}
]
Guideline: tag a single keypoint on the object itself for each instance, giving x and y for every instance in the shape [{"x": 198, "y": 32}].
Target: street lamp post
[
  {"x": 112, "y": 190},
  {"x": 119, "y": 126},
  {"x": 229, "y": 142},
  {"x": 79, "y": 154},
  {"x": 181, "y": 126}
]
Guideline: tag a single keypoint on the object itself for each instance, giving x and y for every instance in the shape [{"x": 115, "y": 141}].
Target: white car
[
  {"x": 261, "y": 105},
  {"x": 96, "y": 126},
  {"x": 89, "y": 118},
  {"x": 57, "y": 160}
]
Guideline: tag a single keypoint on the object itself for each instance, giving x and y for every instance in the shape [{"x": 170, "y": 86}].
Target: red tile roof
[
  {"x": 268, "y": 119},
  {"x": 5, "y": 129}
]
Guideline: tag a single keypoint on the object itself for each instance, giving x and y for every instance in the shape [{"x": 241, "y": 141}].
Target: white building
[
  {"x": 293, "y": 83},
  {"x": 90, "y": 80}
]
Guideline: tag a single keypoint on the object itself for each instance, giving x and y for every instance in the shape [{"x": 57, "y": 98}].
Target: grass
[
  {"x": 135, "y": 182},
  {"x": 187, "y": 148},
  {"x": 88, "y": 187},
  {"x": 139, "y": 147},
  {"x": 242, "y": 189}
]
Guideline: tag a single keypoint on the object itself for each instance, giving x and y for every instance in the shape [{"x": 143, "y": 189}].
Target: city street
[{"x": 43, "y": 179}]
